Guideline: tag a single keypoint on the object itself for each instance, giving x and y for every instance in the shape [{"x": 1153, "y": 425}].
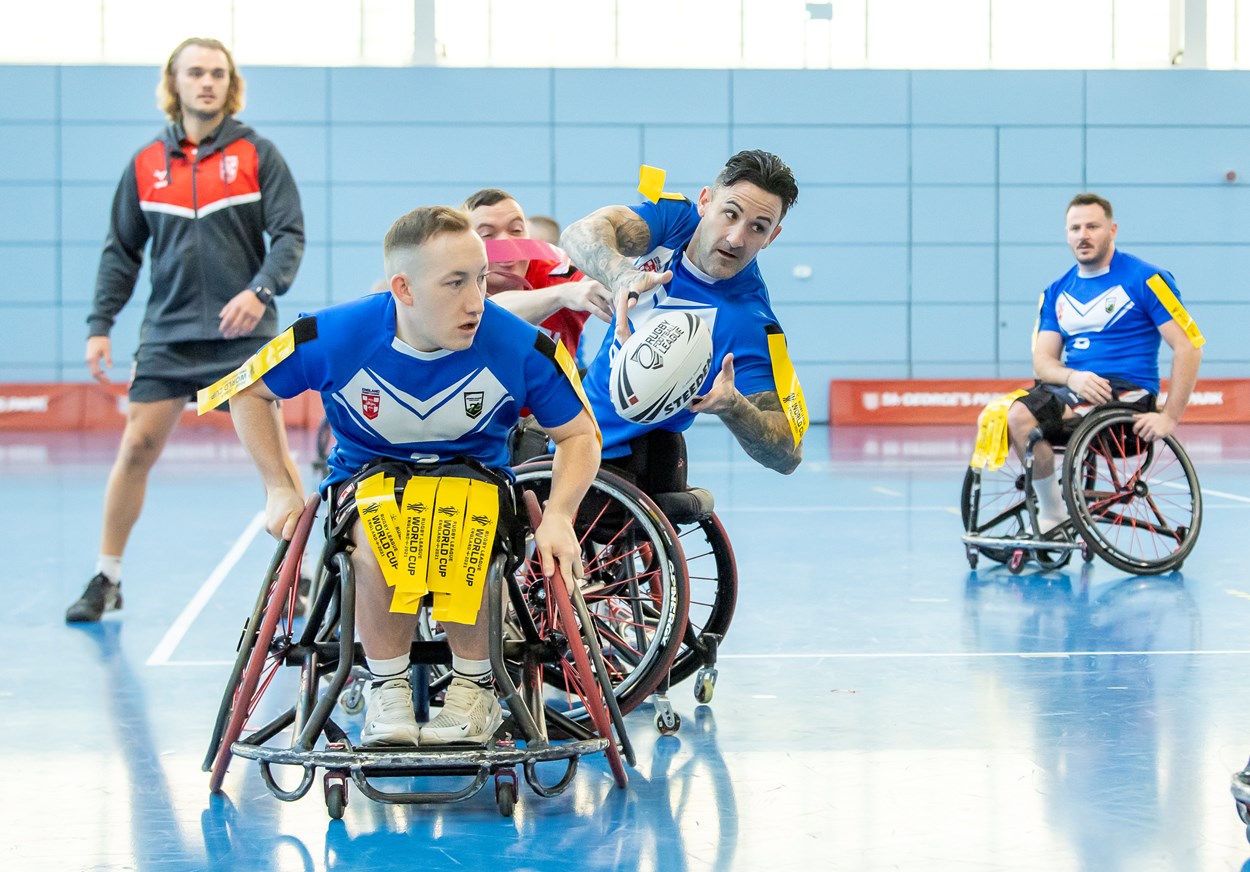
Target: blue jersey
[
  {"x": 385, "y": 399},
  {"x": 1110, "y": 323},
  {"x": 737, "y": 311}
]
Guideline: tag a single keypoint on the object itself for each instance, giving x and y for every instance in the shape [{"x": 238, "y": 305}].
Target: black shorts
[
  {"x": 176, "y": 370},
  {"x": 656, "y": 462},
  {"x": 1048, "y": 402}
]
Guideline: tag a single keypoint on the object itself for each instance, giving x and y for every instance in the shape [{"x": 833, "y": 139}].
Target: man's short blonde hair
[
  {"x": 417, "y": 227},
  {"x": 167, "y": 92}
]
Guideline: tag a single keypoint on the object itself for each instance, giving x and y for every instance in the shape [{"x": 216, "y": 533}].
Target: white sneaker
[
  {"x": 389, "y": 719},
  {"x": 1049, "y": 524},
  {"x": 470, "y": 714}
]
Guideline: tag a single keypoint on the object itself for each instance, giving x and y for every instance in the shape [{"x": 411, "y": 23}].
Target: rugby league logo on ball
[{"x": 661, "y": 367}]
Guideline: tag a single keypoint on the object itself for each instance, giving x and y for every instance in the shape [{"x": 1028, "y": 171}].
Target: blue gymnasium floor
[{"x": 879, "y": 707}]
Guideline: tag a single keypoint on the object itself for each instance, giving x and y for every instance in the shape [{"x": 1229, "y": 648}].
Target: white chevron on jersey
[
  {"x": 1096, "y": 315},
  {"x": 400, "y": 418}
]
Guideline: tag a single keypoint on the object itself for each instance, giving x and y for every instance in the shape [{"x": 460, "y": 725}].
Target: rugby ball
[{"x": 661, "y": 367}]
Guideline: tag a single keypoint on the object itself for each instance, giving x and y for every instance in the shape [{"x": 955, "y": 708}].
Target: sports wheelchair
[
  {"x": 1135, "y": 503},
  {"x": 691, "y": 599},
  {"x": 661, "y": 583},
  {"x": 545, "y": 656}
]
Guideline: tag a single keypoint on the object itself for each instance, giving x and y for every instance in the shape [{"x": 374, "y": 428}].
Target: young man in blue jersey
[
  {"x": 1098, "y": 341},
  {"x": 428, "y": 376},
  {"x": 700, "y": 257}
]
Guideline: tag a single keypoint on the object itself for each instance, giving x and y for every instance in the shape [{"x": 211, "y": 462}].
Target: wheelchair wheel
[
  {"x": 262, "y": 647},
  {"x": 713, "y": 576},
  {"x": 1001, "y": 511},
  {"x": 1139, "y": 505},
  {"x": 635, "y": 586}
]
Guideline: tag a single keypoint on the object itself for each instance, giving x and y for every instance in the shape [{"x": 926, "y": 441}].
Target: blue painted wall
[{"x": 930, "y": 213}]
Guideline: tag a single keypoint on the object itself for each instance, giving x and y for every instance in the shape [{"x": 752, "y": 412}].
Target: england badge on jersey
[
  {"x": 370, "y": 402},
  {"x": 229, "y": 168}
]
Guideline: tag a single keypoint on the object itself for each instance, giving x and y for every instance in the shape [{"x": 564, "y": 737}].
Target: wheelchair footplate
[{"x": 342, "y": 761}]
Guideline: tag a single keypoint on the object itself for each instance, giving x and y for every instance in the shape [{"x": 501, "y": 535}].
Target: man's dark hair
[
  {"x": 1092, "y": 200},
  {"x": 764, "y": 170},
  {"x": 485, "y": 197}
]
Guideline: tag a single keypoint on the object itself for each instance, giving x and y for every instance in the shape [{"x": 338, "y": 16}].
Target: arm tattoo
[
  {"x": 760, "y": 426},
  {"x": 603, "y": 248}
]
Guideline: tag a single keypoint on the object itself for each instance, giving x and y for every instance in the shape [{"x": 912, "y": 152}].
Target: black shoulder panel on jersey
[{"x": 305, "y": 329}]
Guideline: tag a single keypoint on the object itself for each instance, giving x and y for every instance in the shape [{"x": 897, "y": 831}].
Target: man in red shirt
[{"x": 531, "y": 278}]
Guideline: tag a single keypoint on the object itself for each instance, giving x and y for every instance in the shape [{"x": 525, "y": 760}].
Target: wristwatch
[{"x": 263, "y": 294}]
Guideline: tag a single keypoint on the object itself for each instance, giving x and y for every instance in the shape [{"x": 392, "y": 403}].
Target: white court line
[
  {"x": 173, "y": 636},
  {"x": 1206, "y": 491},
  {"x": 896, "y": 655},
  {"x": 856, "y": 509}
]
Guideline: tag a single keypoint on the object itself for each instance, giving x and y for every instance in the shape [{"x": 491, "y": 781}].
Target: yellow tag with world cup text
[
  {"x": 270, "y": 355},
  {"x": 472, "y": 555},
  {"x": 788, "y": 388},
  {"x": 417, "y": 514},
  {"x": 379, "y": 515},
  {"x": 1176, "y": 310}
]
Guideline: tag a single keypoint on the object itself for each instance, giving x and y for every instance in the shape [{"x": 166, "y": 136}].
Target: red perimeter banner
[
  {"x": 88, "y": 406},
  {"x": 959, "y": 401}
]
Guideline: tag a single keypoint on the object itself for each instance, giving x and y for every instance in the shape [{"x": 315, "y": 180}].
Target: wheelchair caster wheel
[
  {"x": 353, "y": 699},
  {"x": 668, "y": 725},
  {"x": 505, "y": 791},
  {"x": 1016, "y": 563},
  {"x": 1087, "y": 553},
  {"x": 1243, "y": 812},
  {"x": 973, "y": 556},
  {"x": 336, "y": 794},
  {"x": 705, "y": 685}
]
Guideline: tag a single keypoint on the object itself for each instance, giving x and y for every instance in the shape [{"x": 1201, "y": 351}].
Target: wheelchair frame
[
  {"x": 1120, "y": 491},
  {"x": 322, "y": 651}
]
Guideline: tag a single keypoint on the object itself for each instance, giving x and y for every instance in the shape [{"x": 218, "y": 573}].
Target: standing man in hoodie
[{"x": 206, "y": 191}]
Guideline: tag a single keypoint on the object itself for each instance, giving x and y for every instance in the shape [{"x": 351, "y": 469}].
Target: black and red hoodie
[{"x": 206, "y": 209}]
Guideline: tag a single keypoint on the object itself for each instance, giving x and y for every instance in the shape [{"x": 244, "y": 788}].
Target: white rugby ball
[{"x": 660, "y": 367}]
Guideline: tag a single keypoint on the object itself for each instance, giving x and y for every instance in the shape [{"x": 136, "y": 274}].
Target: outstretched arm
[
  {"x": 757, "y": 421},
  {"x": 539, "y": 304},
  {"x": 603, "y": 245}
]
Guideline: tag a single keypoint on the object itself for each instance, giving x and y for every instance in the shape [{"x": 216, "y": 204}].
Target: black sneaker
[{"x": 100, "y": 596}]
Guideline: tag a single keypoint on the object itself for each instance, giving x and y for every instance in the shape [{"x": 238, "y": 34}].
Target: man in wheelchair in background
[
  {"x": 1097, "y": 342},
  {"x": 426, "y": 377}
]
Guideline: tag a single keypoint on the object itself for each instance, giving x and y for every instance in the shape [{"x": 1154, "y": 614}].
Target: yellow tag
[
  {"x": 379, "y": 515},
  {"x": 270, "y": 355},
  {"x": 417, "y": 517},
  {"x": 788, "y": 387},
  {"x": 569, "y": 368},
  {"x": 1176, "y": 310},
  {"x": 472, "y": 556},
  {"x": 453, "y": 493},
  {"x": 651, "y": 182},
  {"x": 992, "y": 444}
]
